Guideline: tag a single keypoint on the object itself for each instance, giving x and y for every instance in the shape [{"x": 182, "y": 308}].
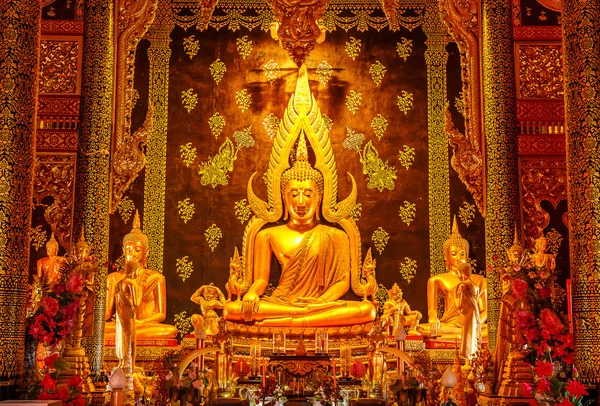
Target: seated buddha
[
  {"x": 314, "y": 257},
  {"x": 49, "y": 269},
  {"x": 456, "y": 252},
  {"x": 151, "y": 310}
]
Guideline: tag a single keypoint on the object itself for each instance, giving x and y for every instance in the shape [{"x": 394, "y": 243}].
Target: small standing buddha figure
[
  {"x": 456, "y": 252},
  {"x": 49, "y": 269},
  {"x": 397, "y": 313},
  {"x": 467, "y": 297},
  {"x": 151, "y": 290},
  {"x": 540, "y": 258}
]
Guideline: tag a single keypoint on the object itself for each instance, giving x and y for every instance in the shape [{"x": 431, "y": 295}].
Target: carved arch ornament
[
  {"x": 133, "y": 20},
  {"x": 462, "y": 19}
]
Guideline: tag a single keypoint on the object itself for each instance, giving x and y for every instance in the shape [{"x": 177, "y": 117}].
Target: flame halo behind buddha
[{"x": 319, "y": 263}]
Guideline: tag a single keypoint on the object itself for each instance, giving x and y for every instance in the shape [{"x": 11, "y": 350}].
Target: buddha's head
[
  {"x": 52, "y": 246},
  {"x": 82, "y": 248},
  {"x": 456, "y": 249},
  {"x": 515, "y": 252},
  {"x": 541, "y": 243},
  {"x": 302, "y": 187},
  {"x": 135, "y": 244}
]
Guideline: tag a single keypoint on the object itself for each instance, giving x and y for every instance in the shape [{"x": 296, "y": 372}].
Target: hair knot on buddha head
[
  {"x": 456, "y": 248},
  {"x": 302, "y": 170},
  {"x": 136, "y": 237}
]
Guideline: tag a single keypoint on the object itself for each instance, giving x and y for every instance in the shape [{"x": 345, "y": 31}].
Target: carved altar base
[{"x": 147, "y": 351}]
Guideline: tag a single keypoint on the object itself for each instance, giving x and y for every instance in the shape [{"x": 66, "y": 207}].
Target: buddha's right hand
[{"x": 250, "y": 305}]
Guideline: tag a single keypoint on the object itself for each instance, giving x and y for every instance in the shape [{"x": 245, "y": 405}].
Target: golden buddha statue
[
  {"x": 456, "y": 252},
  {"x": 209, "y": 297},
  {"x": 397, "y": 313},
  {"x": 540, "y": 258},
  {"x": 318, "y": 262},
  {"x": 152, "y": 307},
  {"x": 467, "y": 297},
  {"x": 49, "y": 269}
]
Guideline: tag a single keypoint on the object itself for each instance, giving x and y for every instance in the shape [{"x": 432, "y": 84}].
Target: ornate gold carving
[
  {"x": 554, "y": 241},
  {"x": 207, "y": 7},
  {"x": 356, "y": 212},
  {"x": 408, "y": 269},
  {"x": 38, "y": 237},
  {"x": 466, "y": 213},
  {"x": 189, "y": 100},
  {"x": 377, "y": 71},
  {"x": 459, "y": 103},
  {"x": 327, "y": 122},
  {"x": 353, "y": 47},
  {"x": 380, "y": 175},
  {"x": 215, "y": 170},
  {"x": 406, "y": 157},
  {"x": 244, "y": 138},
  {"x": 404, "y": 48},
  {"x": 186, "y": 209},
  {"x": 389, "y": 8},
  {"x": 243, "y": 100},
  {"x": 271, "y": 123},
  {"x": 213, "y": 235},
  {"x": 216, "y": 123},
  {"x": 324, "y": 70},
  {"x": 271, "y": 71},
  {"x": 353, "y": 101},
  {"x": 59, "y": 66},
  {"x": 541, "y": 180},
  {"x": 191, "y": 46},
  {"x": 55, "y": 176},
  {"x": 183, "y": 322},
  {"x": 242, "y": 210},
  {"x": 134, "y": 19},
  {"x": 217, "y": 70},
  {"x": 188, "y": 155},
  {"x": 126, "y": 208},
  {"x": 379, "y": 124},
  {"x": 407, "y": 212},
  {"x": 353, "y": 140},
  {"x": 380, "y": 239},
  {"x": 405, "y": 101},
  {"x": 540, "y": 71},
  {"x": 298, "y": 30},
  {"x": 184, "y": 268},
  {"x": 244, "y": 46}
]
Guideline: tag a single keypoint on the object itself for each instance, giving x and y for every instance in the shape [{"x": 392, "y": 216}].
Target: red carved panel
[
  {"x": 540, "y": 33},
  {"x": 540, "y": 110},
  {"x": 56, "y": 140},
  {"x": 542, "y": 145},
  {"x": 62, "y": 27},
  {"x": 58, "y": 106}
]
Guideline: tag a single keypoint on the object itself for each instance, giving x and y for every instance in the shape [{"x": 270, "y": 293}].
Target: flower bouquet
[
  {"x": 191, "y": 384},
  {"x": 43, "y": 384}
]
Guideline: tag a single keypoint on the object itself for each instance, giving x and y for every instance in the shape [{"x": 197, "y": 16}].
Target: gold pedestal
[
  {"x": 516, "y": 371},
  {"x": 495, "y": 400}
]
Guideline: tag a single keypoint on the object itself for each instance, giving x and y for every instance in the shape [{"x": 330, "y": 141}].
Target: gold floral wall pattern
[
  {"x": 540, "y": 71},
  {"x": 60, "y": 65}
]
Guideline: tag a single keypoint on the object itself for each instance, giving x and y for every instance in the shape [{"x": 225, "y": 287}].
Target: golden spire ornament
[
  {"x": 456, "y": 239},
  {"x": 136, "y": 233}
]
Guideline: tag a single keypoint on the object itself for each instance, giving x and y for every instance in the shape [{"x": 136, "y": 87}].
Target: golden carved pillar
[
  {"x": 502, "y": 191},
  {"x": 581, "y": 36},
  {"x": 20, "y": 27},
  {"x": 92, "y": 186}
]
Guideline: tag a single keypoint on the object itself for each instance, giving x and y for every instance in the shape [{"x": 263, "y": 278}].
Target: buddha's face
[
  {"x": 455, "y": 255},
  {"x": 302, "y": 200},
  {"x": 83, "y": 252},
  {"x": 51, "y": 249},
  {"x": 514, "y": 256},
  {"x": 135, "y": 252}
]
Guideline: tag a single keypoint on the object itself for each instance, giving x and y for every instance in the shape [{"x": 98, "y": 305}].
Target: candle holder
[
  {"x": 255, "y": 354},
  {"x": 279, "y": 343},
  {"x": 321, "y": 342}
]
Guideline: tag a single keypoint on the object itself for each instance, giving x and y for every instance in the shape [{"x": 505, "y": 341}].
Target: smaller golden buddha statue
[
  {"x": 209, "y": 297},
  {"x": 370, "y": 282},
  {"x": 151, "y": 310},
  {"x": 456, "y": 252},
  {"x": 397, "y": 314},
  {"x": 467, "y": 297},
  {"x": 234, "y": 284},
  {"x": 49, "y": 269},
  {"x": 540, "y": 258}
]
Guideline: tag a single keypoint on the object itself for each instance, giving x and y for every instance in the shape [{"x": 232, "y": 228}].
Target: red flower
[
  {"x": 569, "y": 358},
  {"x": 533, "y": 402},
  {"x": 45, "y": 395},
  {"x": 59, "y": 288},
  {"x": 544, "y": 293},
  {"x": 78, "y": 401},
  {"x": 532, "y": 334},
  {"x": 48, "y": 383},
  {"x": 74, "y": 382},
  {"x": 49, "y": 305},
  {"x": 524, "y": 319},
  {"x": 576, "y": 388},
  {"x": 527, "y": 388},
  {"x": 543, "y": 385},
  {"x": 564, "y": 402},
  {"x": 519, "y": 287},
  {"x": 75, "y": 283},
  {"x": 550, "y": 321},
  {"x": 70, "y": 310},
  {"x": 49, "y": 361},
  {"x": 63, "y": 393},
  {"x": 543, "y": 368}
]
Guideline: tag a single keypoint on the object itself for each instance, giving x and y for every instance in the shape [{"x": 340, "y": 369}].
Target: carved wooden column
[
  {"x": 581, "y": 39},
  {"x": 502, "y": 191},
  {"x": 20, "y": 25},
  {"x": 92, "y": 196}
]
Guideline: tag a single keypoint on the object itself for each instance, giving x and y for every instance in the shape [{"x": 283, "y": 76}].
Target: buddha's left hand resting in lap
[{"x": 314, "y": 258}]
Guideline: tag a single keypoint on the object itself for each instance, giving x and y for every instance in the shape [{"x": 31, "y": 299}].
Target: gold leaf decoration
[
  {"x": 188, "y": 154},
  {"x": 353, "y": 101},
  {"x": 558, "y": 296},
  {"x": 324, "y": 71},
  {"x": 408, "y": 269},
  {"x": 242, "y": 210},
  {"x": 466, "y": 213},
  {"x": 407, "y": 212},
  {"x": 213, "y": 236},
  {"x": 404, "y": 48},
  {"x": 243, "y": 99},
  {"x": 406, "y": 157},
  {"x": 244, "y": 46},
  {"x": 554, "y": 240},
  {"x": 189, "y": 99},
  {"x": 356, "y": 212},
  {"x": 405, "y": 101},
  {"x": 184, "y": 267},
  {"x": 183, "y": 323},
  {"x": 353, "y": 47},
  {"x": 473, "y": 263},
  {"x": 380, "y": 239},
  {"x": 191, "y": 46},
  {"x": 328, "y": 122},
  {"x": 380, "y": 175},
  {"x": 126, "y": 208},
  {"x": 216, "y": 123},
  {"x": 271, "y": 124},
  {"x": 38, "y": 237},
  {"x": 377, "y": 71},
  {"x": 135, "y": 97},
  {"x": 271, "y": 71},
  {"x": 244, "y": 138},
  {"x": 186, "y": 209},
  {"x": 459, "y": 103},
  {"x": 353, "y": 140},
  {"x": 217, "y": 70},
  {"x": 215, "y": 170},
  {"x": 379, "y": 124}
]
